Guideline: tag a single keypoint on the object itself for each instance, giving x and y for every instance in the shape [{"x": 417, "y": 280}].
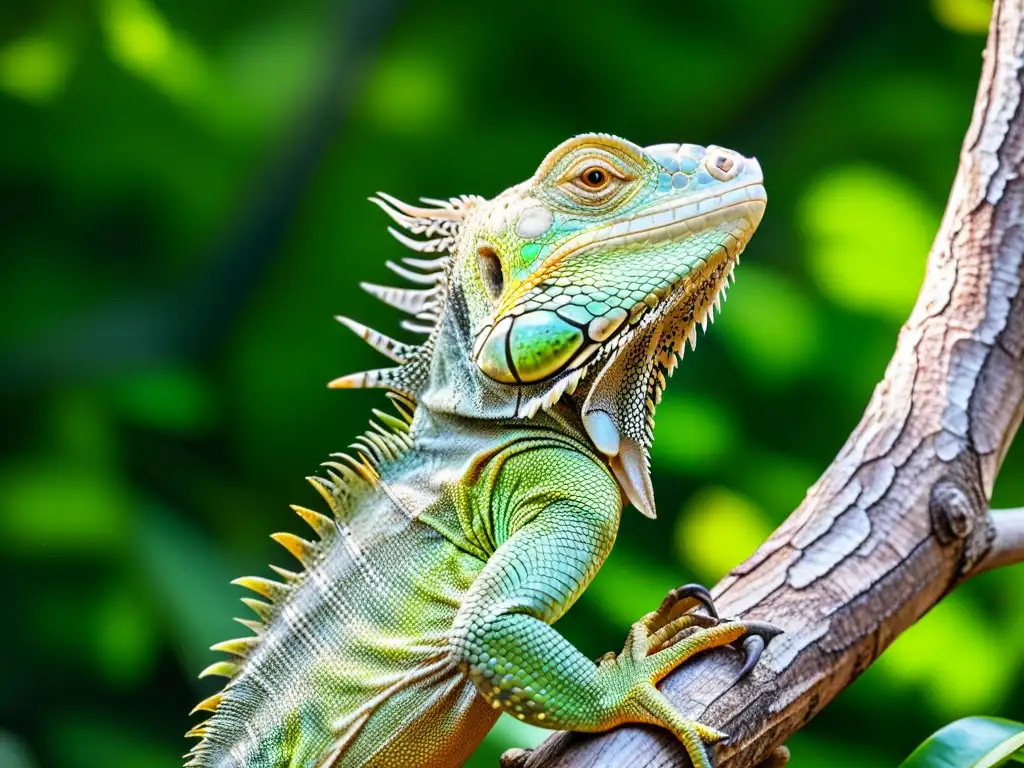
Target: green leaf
[{"x": 973, "y": 742}]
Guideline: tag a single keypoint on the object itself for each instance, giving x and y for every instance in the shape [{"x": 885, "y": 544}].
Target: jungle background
[{"x": 182, "y": 212}]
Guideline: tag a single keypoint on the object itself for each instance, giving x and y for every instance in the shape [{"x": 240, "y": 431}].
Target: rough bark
[{"x": 902, "y": 514}]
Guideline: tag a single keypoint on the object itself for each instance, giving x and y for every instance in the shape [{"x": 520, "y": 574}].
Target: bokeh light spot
[
  {"x": 868, "y": 233},
  {"x": 141, "y": 41},
  {"x": 933, "y": 653},
  {"x": 693, "y": 432},
  {"x": 410, "y": 95},
  {"x": 717, "y": 529},
  {"x": 33, "y": 68},
  {"x": 968, "y": 16}
]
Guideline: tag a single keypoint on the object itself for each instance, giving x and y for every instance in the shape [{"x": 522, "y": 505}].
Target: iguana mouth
[
  {"x": 628, "y": 374},
  {"x": 713, "y": 226},
  {"x": 671, "y": 221}
]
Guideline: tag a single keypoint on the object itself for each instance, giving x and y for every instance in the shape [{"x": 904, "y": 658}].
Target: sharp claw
[
  {"x": 758, "y": 635},
  {"x": 703, "y": 596},
  {"x": 762, "y": 628},
  {"x": 696, "y": 592},
  {"x": 753, "y": 647}
]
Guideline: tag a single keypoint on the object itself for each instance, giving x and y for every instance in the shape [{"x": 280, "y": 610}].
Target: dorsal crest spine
[
  {"x": 440, "y": 224},
  {"x": 350, "y": 475}
]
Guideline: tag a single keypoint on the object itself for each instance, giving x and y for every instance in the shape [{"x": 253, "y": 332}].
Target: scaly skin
[{"x": 461, "y": 531}]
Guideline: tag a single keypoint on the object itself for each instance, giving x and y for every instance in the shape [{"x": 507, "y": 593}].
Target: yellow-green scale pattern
[
  {"x": 559, "y": 512},
  {"x": 440, "y": 590},
  {"x": 426, "y": 608}
]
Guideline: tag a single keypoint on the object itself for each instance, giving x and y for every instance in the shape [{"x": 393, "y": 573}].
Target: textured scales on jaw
[{"x": 586, "y": 280}]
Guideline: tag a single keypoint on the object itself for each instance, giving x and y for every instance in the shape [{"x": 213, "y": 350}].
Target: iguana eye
[{"x": 594, "y": 178}]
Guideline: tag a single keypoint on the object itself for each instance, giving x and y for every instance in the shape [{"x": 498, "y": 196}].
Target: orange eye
[{"x": 594, "y": 177}]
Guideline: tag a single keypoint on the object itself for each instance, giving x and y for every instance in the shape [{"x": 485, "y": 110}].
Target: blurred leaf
[
  {"x": 967, "y": 16},
  {"x": 932, "y": 654},
  {"x": 142, "y": 41},
  {"x": 410, "y": 93},
  {"x": 171, "y": 399},
  {"x": 189, "y": 580},
  {"x": 14, "y": 753},
  {"x": 693, "y": 432},
  {"x": 718, "y": 529},
  {"x": 87, "y": 740},
  {"x": 70, "y": 497},
  {"x": 48, "y": 507},
  {"x": 770, "y": 324},
  {"x": 973, "y": 742},
  {"x": 34, "y": 68},
  {"x": 868, "y": 233},
  {"x": 124, "y": 637}
]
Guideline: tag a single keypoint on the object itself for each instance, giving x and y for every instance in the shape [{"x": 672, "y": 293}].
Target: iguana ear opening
[{"x": 491, "y": 274}]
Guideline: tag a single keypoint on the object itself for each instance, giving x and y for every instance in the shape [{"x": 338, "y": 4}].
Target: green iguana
[{"x": 464, "y": 527}]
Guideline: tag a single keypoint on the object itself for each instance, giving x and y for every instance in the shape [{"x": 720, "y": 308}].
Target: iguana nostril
[{"x": 723, "y": 165}]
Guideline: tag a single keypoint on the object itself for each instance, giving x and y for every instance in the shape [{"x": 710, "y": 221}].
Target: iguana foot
[
  {"x": 668, "y": 637},
  {"x": 676, "y": 618}
]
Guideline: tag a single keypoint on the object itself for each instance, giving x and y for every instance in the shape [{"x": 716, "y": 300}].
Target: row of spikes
[
  {"x": 669, "y": 359},
  {"x": 347, "y": 475},
  {"x": 441, "y": 224}
]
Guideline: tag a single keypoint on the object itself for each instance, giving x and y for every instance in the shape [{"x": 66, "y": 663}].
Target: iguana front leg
[{"x": 504, "y": 641}]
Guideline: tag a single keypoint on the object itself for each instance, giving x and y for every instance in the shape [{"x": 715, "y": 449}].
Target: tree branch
[
  {"x": 901, "y": 516},
  {"x": 1008, "y": 544}
]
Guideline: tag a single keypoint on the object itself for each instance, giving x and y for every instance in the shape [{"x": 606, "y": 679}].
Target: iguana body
[{"x": 463, "y": 529}]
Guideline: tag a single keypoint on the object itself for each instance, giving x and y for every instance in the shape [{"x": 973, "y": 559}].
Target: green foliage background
[{"x": 182, "y": 211}]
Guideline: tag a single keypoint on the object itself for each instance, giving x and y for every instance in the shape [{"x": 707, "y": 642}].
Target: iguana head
[{"x": 585, "y": 280}]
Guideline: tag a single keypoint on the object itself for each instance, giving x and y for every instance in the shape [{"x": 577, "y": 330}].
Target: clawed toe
[
  {"x": 753, "y": 647},
  {"x": 685, "y": 598},
  {"x": 752, "y": 644},
  {"x": 678, "y": 630}
]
